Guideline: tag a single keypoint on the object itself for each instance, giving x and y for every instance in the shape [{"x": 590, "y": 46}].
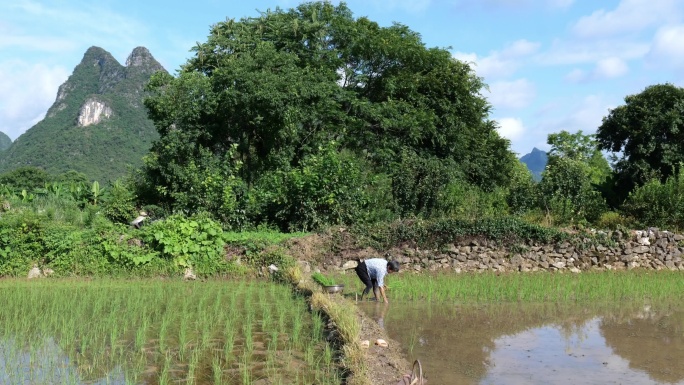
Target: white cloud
[
  {"x": 585, "y": 115},
  {"x": 564, "y": 52},
  {"x": 26, "y": 92},
  {"x": 36, "y": 43},
  {"x": 576, "y": 76},
  {"x": 607, "y": 68},
  {"x": 512, "y": 94},
  {"x": 629, "y": 16},
  {"x": 610, "y": 68},
  {"x": 520, "y": 48},
  {"x": 499, "y": 64},
  {"x": 668, "y": 47},
  {"x": 511, "y": 128},
  {"x": 63, "y": 27}
]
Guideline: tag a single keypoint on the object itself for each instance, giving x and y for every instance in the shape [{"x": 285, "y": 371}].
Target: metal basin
[{"x": 333, "y": 289}]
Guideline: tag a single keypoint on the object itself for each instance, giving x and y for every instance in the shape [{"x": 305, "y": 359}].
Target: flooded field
[
  {"x": 619, "y": 343},
  {"x": 156, "y": 332}
]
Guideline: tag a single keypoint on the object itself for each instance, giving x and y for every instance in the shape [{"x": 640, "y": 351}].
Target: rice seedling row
[{"x": 529, "y": 287}]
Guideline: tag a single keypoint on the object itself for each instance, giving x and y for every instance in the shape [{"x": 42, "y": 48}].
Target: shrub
[
  {"x": 195, "y": 242},
  {"x": 327, "y": 188},
  {"x": 613, "y": 221},
  {"x": 464, "y": 201},
  {"x": 118, "y": 203},
  {"x": 417, "y": 183},
  {"x": 658, "y": 204}
]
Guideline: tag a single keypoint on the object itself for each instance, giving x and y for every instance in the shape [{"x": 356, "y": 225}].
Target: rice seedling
[
  {"x": 147, "y": 331},
  {"x": 556, "y": 287},
  {"x": 216, "y": 370}
]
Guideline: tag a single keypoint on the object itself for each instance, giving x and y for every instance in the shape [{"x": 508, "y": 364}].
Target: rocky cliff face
[
  {"x": 92, "y": 112},
  {"x": 141, "y": 60}
]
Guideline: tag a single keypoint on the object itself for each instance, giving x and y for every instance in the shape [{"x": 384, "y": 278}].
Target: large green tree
[
  {"x": 582, "y": 148},
  {"x": 569, "y": 183},
  {"x": 265, "y": 93},
  {"x": 646, "y": 135}
]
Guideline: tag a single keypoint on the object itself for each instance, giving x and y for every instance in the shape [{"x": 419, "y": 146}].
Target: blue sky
[{"x": 551, "y": 65}]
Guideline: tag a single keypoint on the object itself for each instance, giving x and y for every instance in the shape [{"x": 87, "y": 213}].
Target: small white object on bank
[
  {"x": 138, "y": 221},
  {"x": 34, "y": 272},
  {"x": 189, "y": 274}
]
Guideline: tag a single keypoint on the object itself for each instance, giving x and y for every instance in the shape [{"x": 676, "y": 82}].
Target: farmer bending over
[{"x": 372, "y": 273}]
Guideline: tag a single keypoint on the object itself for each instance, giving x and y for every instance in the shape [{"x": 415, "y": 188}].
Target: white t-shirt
[{"x": 377, "y": 269}]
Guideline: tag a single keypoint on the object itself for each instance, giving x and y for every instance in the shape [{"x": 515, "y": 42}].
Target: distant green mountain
[
  {"x": 98, "y": 124},
  {"x": 5, "y": 141},
  {"x": 535, "y": 162}
]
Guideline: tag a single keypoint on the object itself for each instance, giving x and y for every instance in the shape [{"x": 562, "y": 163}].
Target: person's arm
[
  {"x": 382, "y": 292},
  {"x": 381, "y": 284}
]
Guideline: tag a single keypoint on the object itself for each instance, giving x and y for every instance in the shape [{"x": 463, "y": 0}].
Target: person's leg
[
  {"x": 376, "y": 288},
  {"x": 362, "y": 273}
]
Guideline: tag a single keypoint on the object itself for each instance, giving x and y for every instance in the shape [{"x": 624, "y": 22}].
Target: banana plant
[
  {"x": 96, "y": 191},
  {"x": 26, "y": 196}
]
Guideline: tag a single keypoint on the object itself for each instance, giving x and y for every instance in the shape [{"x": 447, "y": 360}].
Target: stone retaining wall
[{"x": 650, "y": 249}]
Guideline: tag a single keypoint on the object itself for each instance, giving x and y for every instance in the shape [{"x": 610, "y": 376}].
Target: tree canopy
[
  {"x": 264, "y": 94},
  {"x": 646, "y": 135}
]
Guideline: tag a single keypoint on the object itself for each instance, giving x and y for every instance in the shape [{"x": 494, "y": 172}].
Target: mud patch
[{"x": 386, "y": 365}]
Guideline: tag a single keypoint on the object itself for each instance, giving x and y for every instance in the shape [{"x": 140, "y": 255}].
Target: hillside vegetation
[
  {"x": 102, "y": 151},
  {"x": 5, "y": 141},
  {"x": 307, "y": 119}
]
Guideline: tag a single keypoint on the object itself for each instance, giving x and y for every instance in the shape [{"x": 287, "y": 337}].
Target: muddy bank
[{"x": 386, "y": 365}]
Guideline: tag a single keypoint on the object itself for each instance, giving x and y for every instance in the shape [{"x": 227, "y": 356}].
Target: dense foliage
[
  {"x": 646, "y": 135},
  {"x": 304, "y": 117},
  {"x": 75, "y": 237}
]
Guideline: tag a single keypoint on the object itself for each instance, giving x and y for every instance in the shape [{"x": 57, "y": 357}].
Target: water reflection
[
  {"x": 46, "y": 364},
  {"x": 540, "y": 343}
]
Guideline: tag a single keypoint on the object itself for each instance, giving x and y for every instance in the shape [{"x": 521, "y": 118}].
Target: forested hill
[
  {"x": 535, "y": 162},
  {"x": 97, "y": 125},
  {"x": 5, "y": 141}
]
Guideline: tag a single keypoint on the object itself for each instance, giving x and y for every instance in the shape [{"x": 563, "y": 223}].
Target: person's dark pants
[{"x": 362, "y": 272}]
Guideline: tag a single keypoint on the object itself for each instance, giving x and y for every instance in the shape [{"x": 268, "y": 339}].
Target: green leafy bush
[
  {"x": 20, "y": 243},
  {"x": 418, "y": 182},
  {"x": 658, "y": 204},
  {"x": 327, "y": 188},
  {"x": 613, "y": 221},
  {"x": 195, "y": 242},
  {"x": 118, "y": 203},
  {"x": 439, "y": 232}
]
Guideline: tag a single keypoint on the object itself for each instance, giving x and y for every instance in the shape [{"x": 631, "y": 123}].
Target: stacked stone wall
[{"x": 649, "y": 249}]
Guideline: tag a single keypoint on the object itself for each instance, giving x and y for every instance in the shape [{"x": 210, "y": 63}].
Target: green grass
[
  {"x": 529, "y": 287},
  {"x": 156, "y": 331},
  {"x": 261, "y": 237}
]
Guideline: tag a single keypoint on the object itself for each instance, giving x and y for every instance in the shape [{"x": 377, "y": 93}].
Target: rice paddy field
[
  {"x": 528, "y": 287},
  {"x": 160, "y": 332}
]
